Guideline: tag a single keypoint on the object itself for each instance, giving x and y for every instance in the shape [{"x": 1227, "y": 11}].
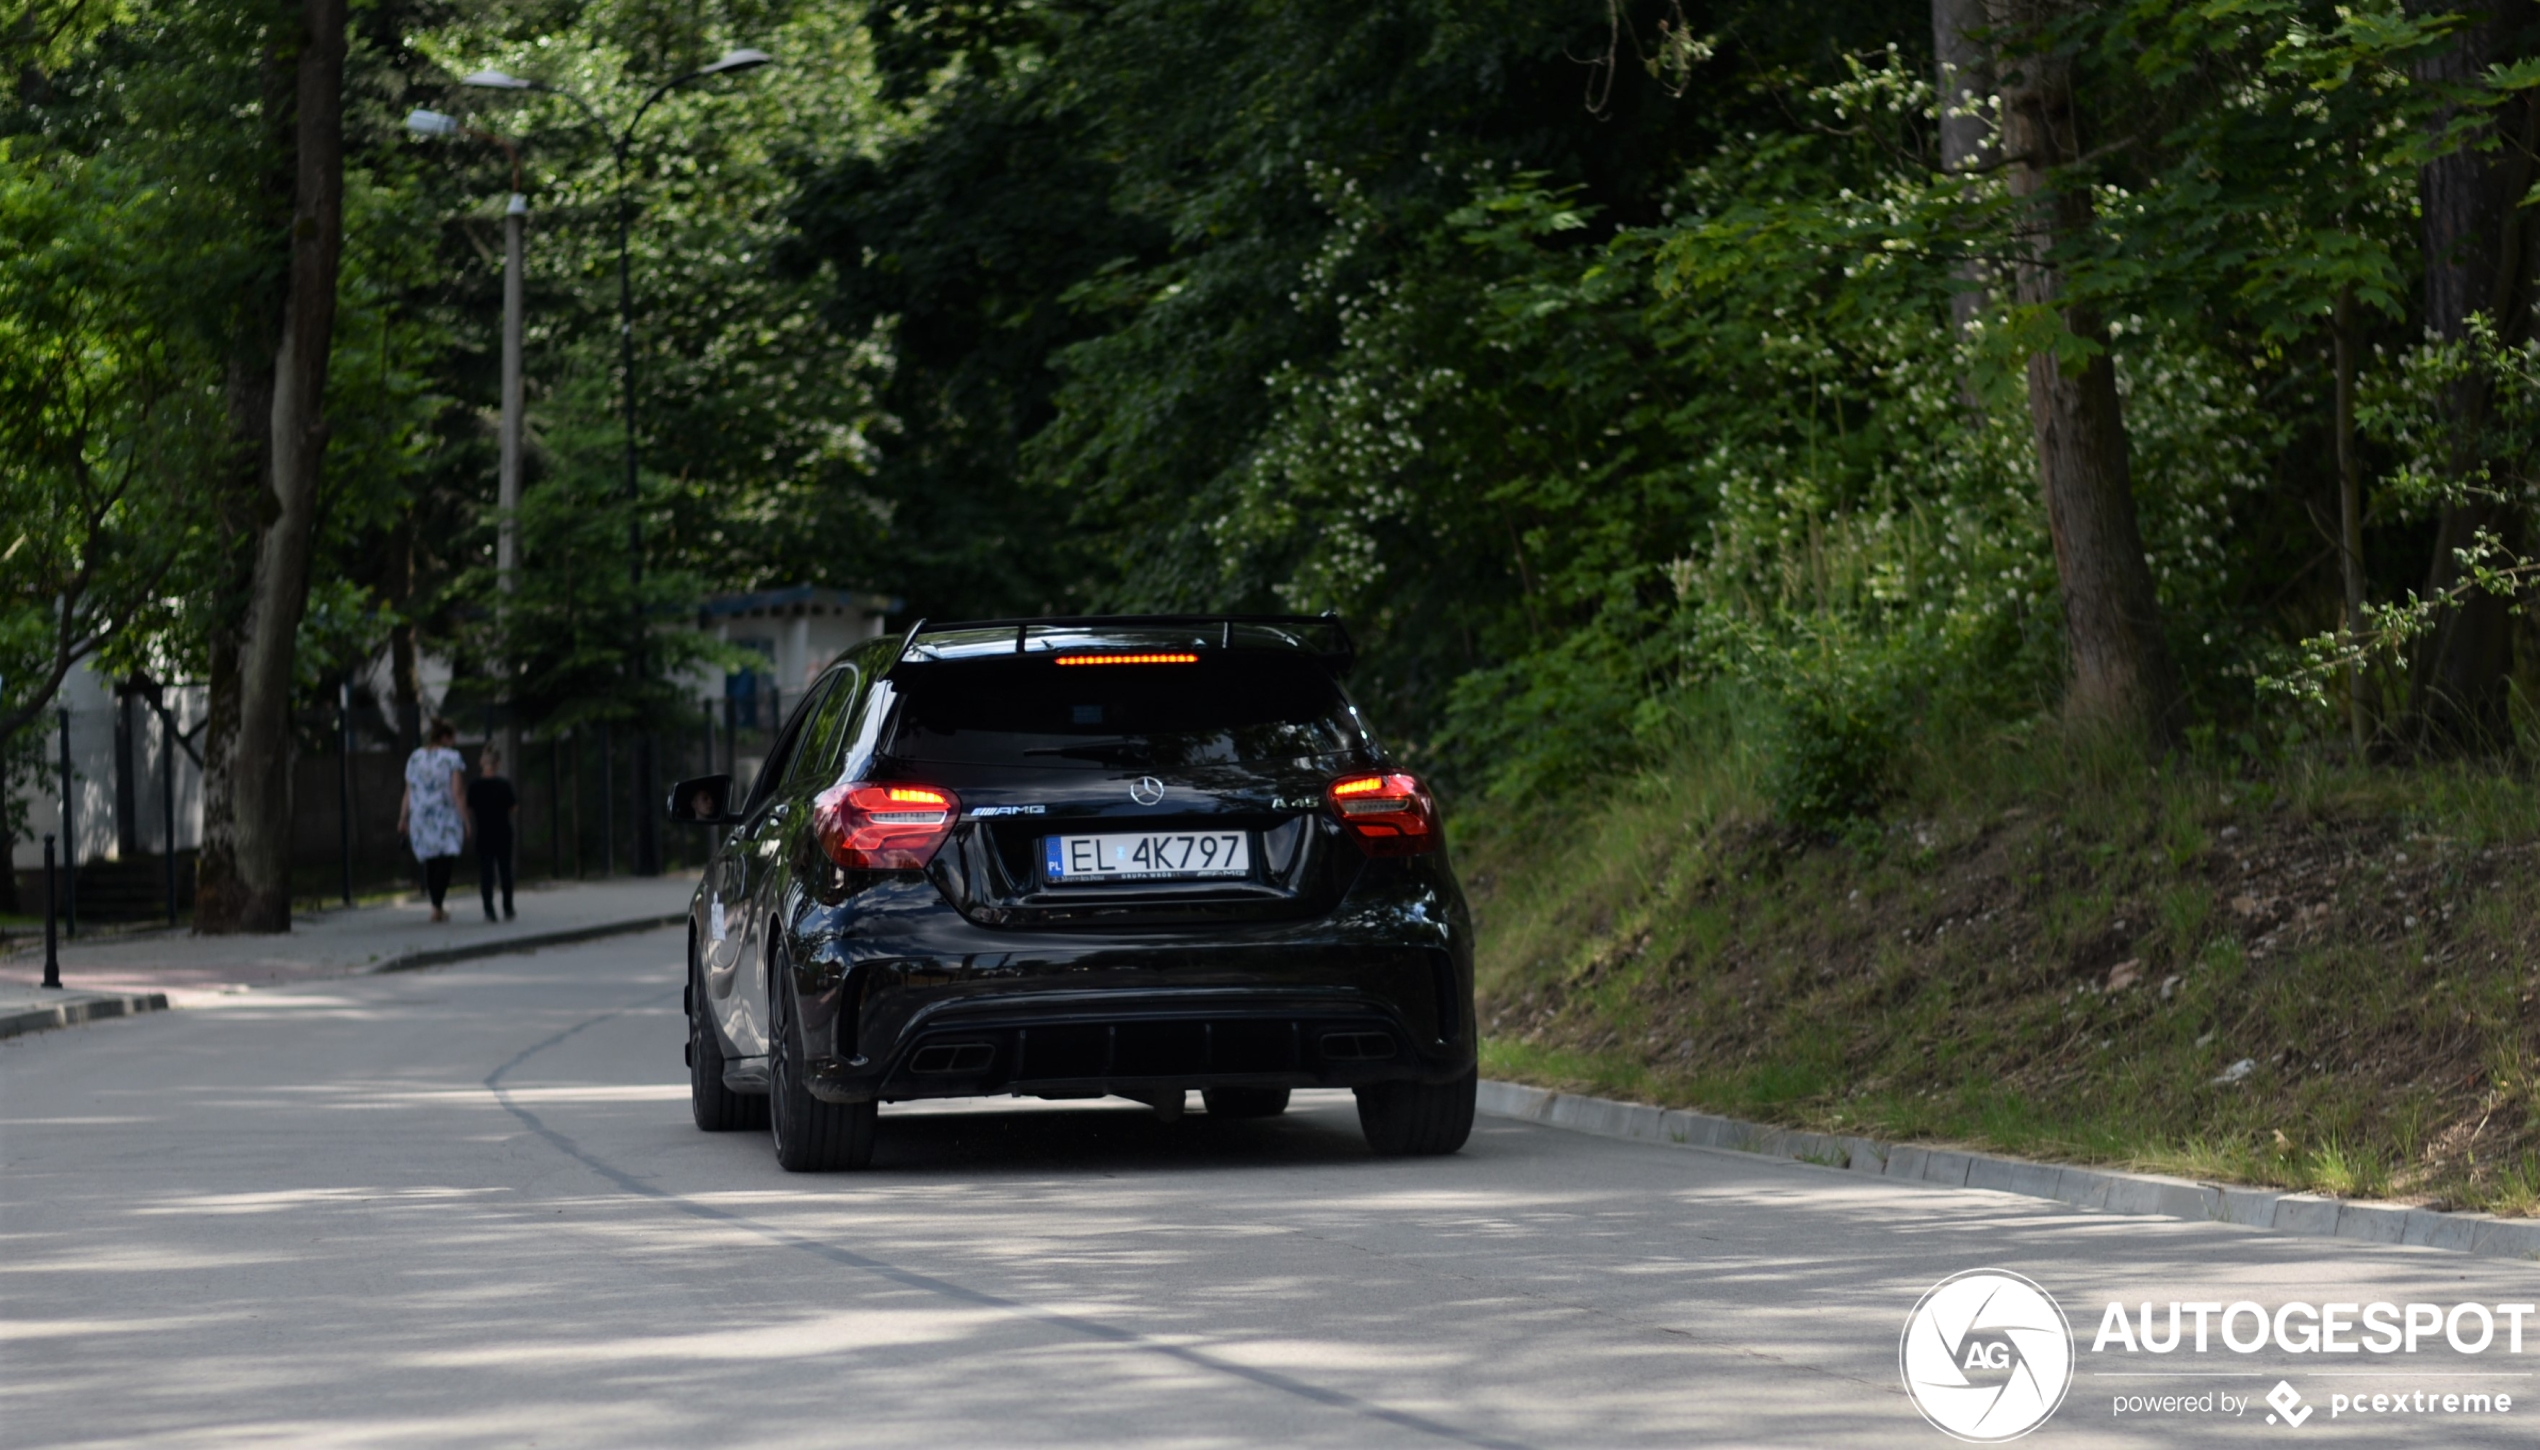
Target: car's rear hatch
[{"x": 1124, "y": 782}]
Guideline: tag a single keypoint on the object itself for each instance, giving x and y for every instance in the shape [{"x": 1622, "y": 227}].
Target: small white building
[
  {"x": 121, "y": 754},
  {"x": 797, "y": 631}
]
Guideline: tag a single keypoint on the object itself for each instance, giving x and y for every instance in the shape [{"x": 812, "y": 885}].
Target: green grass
[{"x": 2368, "y": 937}]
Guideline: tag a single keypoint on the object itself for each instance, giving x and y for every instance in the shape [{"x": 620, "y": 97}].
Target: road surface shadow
[{"x": 1110, "y": 1135}]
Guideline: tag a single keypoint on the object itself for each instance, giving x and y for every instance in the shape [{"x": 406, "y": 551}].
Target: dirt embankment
[{"x": 2305, "y": 997}]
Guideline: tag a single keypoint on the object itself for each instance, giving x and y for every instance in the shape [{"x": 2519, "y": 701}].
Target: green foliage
[
  {"x": 558, "y": 645},
  {"x": 106, "y": 423},
  {"x": 1830, "y": 767},
  {"x": 949, "y": 249},
  {"x": 1592, "y": 400},
  {"x": 1535, "y": 732},
  {"x": 754, "y": 414},
  {"x": 2444, "y": 456},
  {"x": 1384, "y": 214},
  {"x": 153, "y": 127},
  {"x": 152, "y": 120}
]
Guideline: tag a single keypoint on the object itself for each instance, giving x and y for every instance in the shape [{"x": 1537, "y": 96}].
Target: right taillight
[
  {"x": 1390, "y": 814},
  {"x": 880, "y": 827}
]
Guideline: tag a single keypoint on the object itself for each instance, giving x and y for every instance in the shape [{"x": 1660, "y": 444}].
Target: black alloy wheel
[
  {"x": 718, "y": 1109},
  {"x": 1417, "y": 1119},
  {"x": 1245, "y": 1102},
  {"x": 811, "y": 1136}
]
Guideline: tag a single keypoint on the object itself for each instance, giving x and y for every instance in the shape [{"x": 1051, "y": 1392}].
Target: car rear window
[{"x": 1224, "y": 709}]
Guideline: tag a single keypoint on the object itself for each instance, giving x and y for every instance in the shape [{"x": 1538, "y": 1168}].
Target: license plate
[{"x": 1169, "y": 856}]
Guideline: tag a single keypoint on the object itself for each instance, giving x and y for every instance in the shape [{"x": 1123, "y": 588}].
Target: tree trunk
[
  {"x": 219, "y": 897},
  {"x": 2473, "y": 246},
  {"x": 1963, "y": 76},
  {"x": 2122, "y": 674},
  {"x": 249, "y": 766},
  {"x": 2350, "y": 520}
]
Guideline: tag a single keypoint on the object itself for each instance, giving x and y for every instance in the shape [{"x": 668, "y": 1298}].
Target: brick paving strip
[
  {"x": 151, "y": 970},
  {"x": 2106, "y": 1190}
]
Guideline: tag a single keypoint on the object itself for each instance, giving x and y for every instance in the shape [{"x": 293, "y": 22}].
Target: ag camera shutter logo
[{"x": 1987, "y": 1356}]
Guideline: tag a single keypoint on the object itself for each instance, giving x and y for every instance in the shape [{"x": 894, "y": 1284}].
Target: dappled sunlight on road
[
  {"x": 805, "y": 1336},
  {"x": 468, "y": 1208},
  {"x": 292, "y": 1201}
]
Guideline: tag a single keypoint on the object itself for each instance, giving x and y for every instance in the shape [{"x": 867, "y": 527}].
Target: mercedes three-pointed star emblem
[{"x": 1146, "y": 790}]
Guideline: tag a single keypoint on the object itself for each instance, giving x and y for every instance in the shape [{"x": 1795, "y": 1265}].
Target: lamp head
[
  {"x": 738, "y": 60},
  {"x": 431, "y": 123},
  {"x": 494, "y": 80}
]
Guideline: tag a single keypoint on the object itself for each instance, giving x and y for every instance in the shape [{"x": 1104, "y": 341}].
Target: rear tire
[
  {"x": 1417, "y": 1119},
  {"x": 1245, "y": 1102},
  {"x": 811, "y": 1136},
  {"x": 717, "y": 1108}
]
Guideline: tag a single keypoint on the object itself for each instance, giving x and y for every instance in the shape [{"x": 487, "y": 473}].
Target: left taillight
[
  {"x": 870, "y": 826},
  {"x": 1390, "y": 814}
]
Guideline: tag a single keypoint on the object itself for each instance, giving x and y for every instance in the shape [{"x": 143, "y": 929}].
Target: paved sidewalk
[{"x": 343, "y": 942}]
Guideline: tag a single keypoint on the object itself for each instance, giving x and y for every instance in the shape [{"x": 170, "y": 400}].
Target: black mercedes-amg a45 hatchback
[{"x": 1070, "y": 858}]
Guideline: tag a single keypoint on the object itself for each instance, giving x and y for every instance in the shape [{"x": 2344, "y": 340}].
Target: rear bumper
[
  {"x": 1142, "y": 1044},
  {"x": 899, "y": 997}
]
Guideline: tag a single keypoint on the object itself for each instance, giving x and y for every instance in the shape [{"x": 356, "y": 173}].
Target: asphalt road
[{"x": 466, "y": 1207}]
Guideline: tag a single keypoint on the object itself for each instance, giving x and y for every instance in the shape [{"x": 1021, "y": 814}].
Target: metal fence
[
  {"x": 579, "y": 796},
  {"x": 136, "y": 788},
  {"x": 133, "y": 814}
]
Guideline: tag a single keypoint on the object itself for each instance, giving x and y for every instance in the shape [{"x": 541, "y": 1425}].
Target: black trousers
[
  {"x": 494, "y": 857},
  {"x": 436, "y": 877}
]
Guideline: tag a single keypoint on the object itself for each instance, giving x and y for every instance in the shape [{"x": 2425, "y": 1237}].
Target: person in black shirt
[{"x": 490, "y": 801}]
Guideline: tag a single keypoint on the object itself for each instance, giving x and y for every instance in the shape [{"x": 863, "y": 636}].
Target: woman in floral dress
[{"x": 433, "y": 816}]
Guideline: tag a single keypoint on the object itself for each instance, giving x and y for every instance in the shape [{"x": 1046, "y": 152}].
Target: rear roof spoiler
[{"x": 1334, "y": 646}]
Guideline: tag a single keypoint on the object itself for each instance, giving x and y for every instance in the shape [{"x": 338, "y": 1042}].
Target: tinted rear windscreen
[{"x": 1225, "y": 709}]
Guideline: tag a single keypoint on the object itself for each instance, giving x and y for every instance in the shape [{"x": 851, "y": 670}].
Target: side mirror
[{"x": 705, "y": 801}]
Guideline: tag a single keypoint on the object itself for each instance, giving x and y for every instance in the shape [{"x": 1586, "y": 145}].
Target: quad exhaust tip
[{"x": 1356, "y": 1046}]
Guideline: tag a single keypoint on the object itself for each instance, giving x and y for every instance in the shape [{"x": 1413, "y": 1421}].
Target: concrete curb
[
  {"x": 78, "y": 1007},
  {"x": 2103, "y": 1189},
  {"x": 444, "y": 956}
]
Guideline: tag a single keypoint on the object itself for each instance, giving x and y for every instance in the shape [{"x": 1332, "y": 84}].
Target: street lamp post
[
  {"x": 647, "y": 833},
  {"x": 507, "y": 531},
  {"x": 507, "y": 470},
  {"x": 70, "y": 830}
]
